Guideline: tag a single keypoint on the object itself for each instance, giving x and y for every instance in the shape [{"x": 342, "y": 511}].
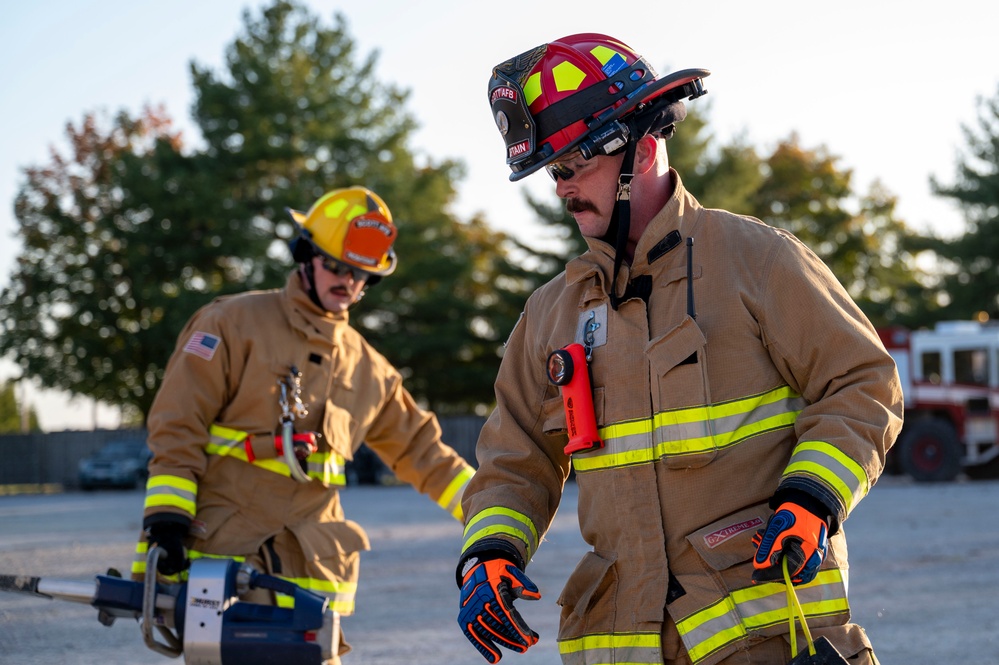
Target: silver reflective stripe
[
  {"x": 692, "y": 430},
  {"x": 493, "y": 521}
]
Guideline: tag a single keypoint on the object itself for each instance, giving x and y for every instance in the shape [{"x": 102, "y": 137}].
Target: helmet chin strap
[
  {"x": 621, "y": 219},
  {"x": 309, "y": 273}
]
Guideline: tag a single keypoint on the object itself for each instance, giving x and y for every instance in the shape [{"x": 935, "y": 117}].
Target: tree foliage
[
  {"x": 970, "y": 282},
  {"x": 96, "y": 277},
  {"x": 127, "y": 235},
  {"x": 859, "y": 237},
  {"x": 294, "y": 115}
]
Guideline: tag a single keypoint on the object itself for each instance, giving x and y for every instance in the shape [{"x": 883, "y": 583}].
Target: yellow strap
[{"x": 794, "y": 610}]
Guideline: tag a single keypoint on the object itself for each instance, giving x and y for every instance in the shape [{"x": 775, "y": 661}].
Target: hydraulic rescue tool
[{"x": 203, "y": 618}]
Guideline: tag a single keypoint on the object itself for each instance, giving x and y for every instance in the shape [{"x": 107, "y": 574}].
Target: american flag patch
[{"x": 202, "y": 344}]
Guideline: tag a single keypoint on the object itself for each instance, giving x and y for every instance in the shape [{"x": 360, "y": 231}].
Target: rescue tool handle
[
  {"x": 568, "y": 369},
  {"x": 174, "y": 647}
]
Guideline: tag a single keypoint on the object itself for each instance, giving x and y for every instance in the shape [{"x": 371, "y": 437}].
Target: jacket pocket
[
  {"x": 729, "y": 541},
  {"x": 223, "y": 530},
  {"x": 592, "y": 582},
  {"x": 679, "y": 370},
  {"x": 331, "y": 550}
]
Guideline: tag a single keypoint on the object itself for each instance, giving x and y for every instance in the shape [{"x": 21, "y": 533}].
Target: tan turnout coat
[
  {"x": 770, "y": 377},
  {"x": 221, "y": 384}
]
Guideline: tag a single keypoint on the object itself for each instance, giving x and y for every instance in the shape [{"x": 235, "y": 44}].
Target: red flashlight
[{"x": 568, "y": 370}]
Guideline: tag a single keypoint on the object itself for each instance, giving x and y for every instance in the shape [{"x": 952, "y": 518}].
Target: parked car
[{"x": 122, "y": 463}]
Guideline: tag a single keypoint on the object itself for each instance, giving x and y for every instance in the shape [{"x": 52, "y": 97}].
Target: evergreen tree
[
  {"x": 128, "y": 235},
  {"x": 970, "y": 284}
]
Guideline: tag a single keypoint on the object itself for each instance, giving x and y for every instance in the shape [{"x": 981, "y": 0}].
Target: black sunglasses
[{"x": 341, "y": 269}]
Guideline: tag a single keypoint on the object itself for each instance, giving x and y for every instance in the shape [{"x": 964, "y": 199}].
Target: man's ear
[{"x": 646, "y": 151}]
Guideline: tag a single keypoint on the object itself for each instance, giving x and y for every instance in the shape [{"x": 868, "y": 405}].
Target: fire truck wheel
[{"x": 929, "y": 451}]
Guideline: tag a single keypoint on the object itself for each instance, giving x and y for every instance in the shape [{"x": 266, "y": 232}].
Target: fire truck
[{"x": 950, "y": 384}]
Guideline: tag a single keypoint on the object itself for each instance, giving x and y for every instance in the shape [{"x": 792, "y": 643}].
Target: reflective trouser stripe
[
  {"x": 691, "y": 431},
  {"x": 492, "y": 521},
  {"x": 341, "y": 594},
  {"x": 830, "y": 466},
  {"x": 625, "y": 648},
  {"x": 325, "y": 466},
  {"x": 450, "y": 499},
  {"x": 757, "y": 607}
]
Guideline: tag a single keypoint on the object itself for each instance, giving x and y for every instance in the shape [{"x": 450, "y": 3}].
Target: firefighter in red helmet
[
  {"x": 722, "y": 400},
  {"x": 266, "y": 397}
]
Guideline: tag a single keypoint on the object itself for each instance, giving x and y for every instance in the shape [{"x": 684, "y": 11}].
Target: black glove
[{"x": 169, "y": 536}]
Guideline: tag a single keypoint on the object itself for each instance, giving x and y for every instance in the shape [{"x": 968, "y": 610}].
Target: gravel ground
[{"x": 924, "y": 576}]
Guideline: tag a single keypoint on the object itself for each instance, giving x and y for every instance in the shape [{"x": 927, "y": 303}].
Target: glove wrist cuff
[
  {"x": 487, "y": 549},
  {"x": 166, "y": 521}
]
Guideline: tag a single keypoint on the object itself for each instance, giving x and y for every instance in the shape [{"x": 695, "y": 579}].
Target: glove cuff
[
  {"x": 167, "y": 522},
  {"x": 807, "y": 501},
  {"x": 488, "y": 549}
]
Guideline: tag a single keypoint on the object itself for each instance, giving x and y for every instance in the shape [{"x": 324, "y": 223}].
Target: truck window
[
  {"x": 931, "y": 366},
  {"x": 971, "y": 367}
]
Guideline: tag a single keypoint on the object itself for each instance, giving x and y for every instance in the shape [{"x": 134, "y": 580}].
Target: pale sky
[{"x": 885, "y": 86}]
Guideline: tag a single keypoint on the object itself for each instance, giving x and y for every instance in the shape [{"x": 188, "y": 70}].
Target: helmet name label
[
  {"x": 376, "y": 224},
  {"x": 503, "y": 92},
  {"x": 519, "y": 148}
]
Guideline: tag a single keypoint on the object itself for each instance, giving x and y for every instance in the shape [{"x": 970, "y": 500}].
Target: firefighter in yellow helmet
[
  {"x": 722, "y": 400},
  {"x": 265, "y": 398}
]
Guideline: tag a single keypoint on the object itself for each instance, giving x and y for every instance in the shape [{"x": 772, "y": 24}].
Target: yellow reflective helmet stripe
[
  {"x": 532, "y": 88},
  {"x": 567, "y": 76},
  {"x": 450, "y": 499},
  {"x": 492, "y": 521},
  {"x": 833, "y": 468}
]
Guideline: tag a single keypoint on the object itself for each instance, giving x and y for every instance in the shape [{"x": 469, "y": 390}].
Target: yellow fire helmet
[{"x": 353, "y": 226}]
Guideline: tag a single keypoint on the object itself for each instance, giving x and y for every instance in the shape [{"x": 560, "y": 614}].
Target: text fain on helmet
[
  {"x": 586, "y": 91},
  {"x": 353, "y": 226}
]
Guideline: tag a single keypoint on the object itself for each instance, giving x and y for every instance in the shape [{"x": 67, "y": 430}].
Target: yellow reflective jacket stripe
[
  {"x": 501, "y": 521},
  {"x": 630, "y": 648},
  {"x": 325, "y": 466},
  {"x": 831, "y": 467},
  {"x": 450, "y": 499},
  {"x": 692, "y": 430},
  {"x": 753, "y": 608},
  {"x": 173, "y": 491}
]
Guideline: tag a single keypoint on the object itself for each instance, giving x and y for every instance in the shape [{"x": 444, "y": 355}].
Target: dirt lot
[{"x": 924, "y": 577}]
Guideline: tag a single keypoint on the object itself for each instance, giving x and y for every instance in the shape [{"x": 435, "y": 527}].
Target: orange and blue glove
[
  {"x": 486, "y": 613},
  {"x": 796, "y": 534}
]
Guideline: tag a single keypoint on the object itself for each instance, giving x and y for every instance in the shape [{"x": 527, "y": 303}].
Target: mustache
[{"x": 576, "y": 204}]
